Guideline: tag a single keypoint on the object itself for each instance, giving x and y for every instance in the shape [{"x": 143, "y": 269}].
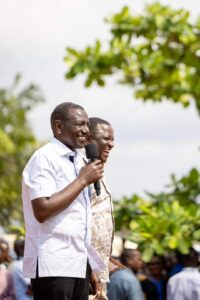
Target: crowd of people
[
  {"x": 170, "y": 277},
  {"x": 69, "y": 223},
  {"x": 13, "y": 285}
]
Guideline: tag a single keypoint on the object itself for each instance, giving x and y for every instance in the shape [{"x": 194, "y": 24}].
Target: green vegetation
[
  {"x": 157, "y": 54},
  {"x": 16, "y": 146},
  {"x": 163, "y": 222}
]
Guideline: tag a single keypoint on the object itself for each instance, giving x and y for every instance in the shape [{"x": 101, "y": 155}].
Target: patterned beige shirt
[{"x": 102, "y": 226}]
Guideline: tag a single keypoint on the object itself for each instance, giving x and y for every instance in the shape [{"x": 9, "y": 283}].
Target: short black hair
[
  {"x": 191, "y": 256},
  {"x": 127, "y": 254},
  {"x": 94, "y": 121},
  {"x": 61, "y": 111},
  {"x": 19, "y": 246}
]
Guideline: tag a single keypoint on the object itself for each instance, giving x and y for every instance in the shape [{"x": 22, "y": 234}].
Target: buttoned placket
[{"x": 74, "y": 160}]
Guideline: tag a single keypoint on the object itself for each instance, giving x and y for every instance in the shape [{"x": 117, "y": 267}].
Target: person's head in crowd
[
  {"x": 173, "y": 263},
  {"x": 131, "y": 258},
  {"x": 70, "y": 125},
  {"x": 101, "y": 134},
  {"x": 156, "y": 267},
  {"x": 19, "y": 247},
  {"x": 190, "y": 259},
  {"x": 4, "y": 252},
  {"x": 170, "y": 260}
]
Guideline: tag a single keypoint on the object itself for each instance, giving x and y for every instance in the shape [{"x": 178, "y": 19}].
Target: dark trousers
[{"x": 61, "y": 288}]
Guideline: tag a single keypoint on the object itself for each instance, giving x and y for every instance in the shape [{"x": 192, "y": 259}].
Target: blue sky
[{"x": 151, "y": 140}]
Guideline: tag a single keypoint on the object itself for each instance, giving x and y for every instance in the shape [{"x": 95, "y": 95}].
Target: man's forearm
[{"x": 45, "y": 208}]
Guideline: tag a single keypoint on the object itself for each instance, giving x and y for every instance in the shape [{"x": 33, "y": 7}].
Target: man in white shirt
[
  {"x": 57, "y": 210},
  {"x": 185, "y": 285}
]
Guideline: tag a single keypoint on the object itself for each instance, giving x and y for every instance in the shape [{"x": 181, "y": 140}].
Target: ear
[{"x": 58, "y": 127}]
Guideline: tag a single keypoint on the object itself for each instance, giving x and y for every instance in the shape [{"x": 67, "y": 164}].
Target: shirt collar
[
  {"x": 60, "y": 148},
  {"x": 82, "y": 153}
]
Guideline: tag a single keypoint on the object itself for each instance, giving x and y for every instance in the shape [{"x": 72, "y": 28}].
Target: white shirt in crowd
[
  {"x": 184, "y": 285},
  {"x": 61, "y": 244}
]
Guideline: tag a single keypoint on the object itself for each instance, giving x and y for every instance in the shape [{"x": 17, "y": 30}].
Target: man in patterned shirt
[{"x": 102, "y": 224}]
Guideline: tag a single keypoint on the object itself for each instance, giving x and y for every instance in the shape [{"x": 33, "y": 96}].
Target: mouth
[
  {"x": 82, "y": 140},
  {"x": 106, "y": 153}
]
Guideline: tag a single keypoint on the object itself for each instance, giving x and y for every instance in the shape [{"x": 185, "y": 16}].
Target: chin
[
  {"x": 103, "y": 159},
  {"x": 80, "y": 145}
]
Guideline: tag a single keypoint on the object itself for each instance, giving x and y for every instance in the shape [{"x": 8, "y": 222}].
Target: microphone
[{"x": 92, "y": 153}]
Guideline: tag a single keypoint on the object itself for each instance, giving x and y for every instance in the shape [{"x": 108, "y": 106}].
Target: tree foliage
[
  {"x": 157, "y": 53},
  {"x": 163, "y": 222},
  {"x": 17, "y": 143}
]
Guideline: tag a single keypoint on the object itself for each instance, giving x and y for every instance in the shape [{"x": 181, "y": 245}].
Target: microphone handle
[{"x": 97, "y": 185}]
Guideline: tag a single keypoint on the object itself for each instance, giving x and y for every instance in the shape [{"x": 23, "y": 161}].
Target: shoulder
[
  {"x": 42, "y": 155},
  {"x": 118, "y": 273},
  {"x": 124, "y": 274},
  {"x": 45, "y": 151},
  {"x": 15, "y": 265},
  {"x": 172, "y": 280}
]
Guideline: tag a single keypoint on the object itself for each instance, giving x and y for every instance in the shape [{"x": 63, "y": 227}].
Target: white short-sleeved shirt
[
  {"x": 61, "y": 244},
  {"x": 184, "y": 285}
]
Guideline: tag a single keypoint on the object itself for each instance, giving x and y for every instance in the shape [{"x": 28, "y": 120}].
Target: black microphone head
[{"x": 92, "y": 151}]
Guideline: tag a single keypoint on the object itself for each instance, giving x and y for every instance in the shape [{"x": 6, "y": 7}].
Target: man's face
[
  {"x": 75, "y": 130},
  {"x": 135, "y": 263},
  {"x": 103, "y": 137},
  {"x": 156, "y": 266}
]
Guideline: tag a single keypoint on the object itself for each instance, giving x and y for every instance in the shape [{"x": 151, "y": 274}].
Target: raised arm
[{"x": 47, "y": 207}]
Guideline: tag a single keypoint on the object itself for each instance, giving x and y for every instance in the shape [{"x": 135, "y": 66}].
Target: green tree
[
  {"x": 155, "y": 53},
  {"x": 17, "y": 143},
  {"x": 163, "y": 222}
]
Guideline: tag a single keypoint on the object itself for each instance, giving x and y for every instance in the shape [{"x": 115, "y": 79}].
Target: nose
[
  {"x": 111, "y": 144},
  {"x": 85, "y": 129}
]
